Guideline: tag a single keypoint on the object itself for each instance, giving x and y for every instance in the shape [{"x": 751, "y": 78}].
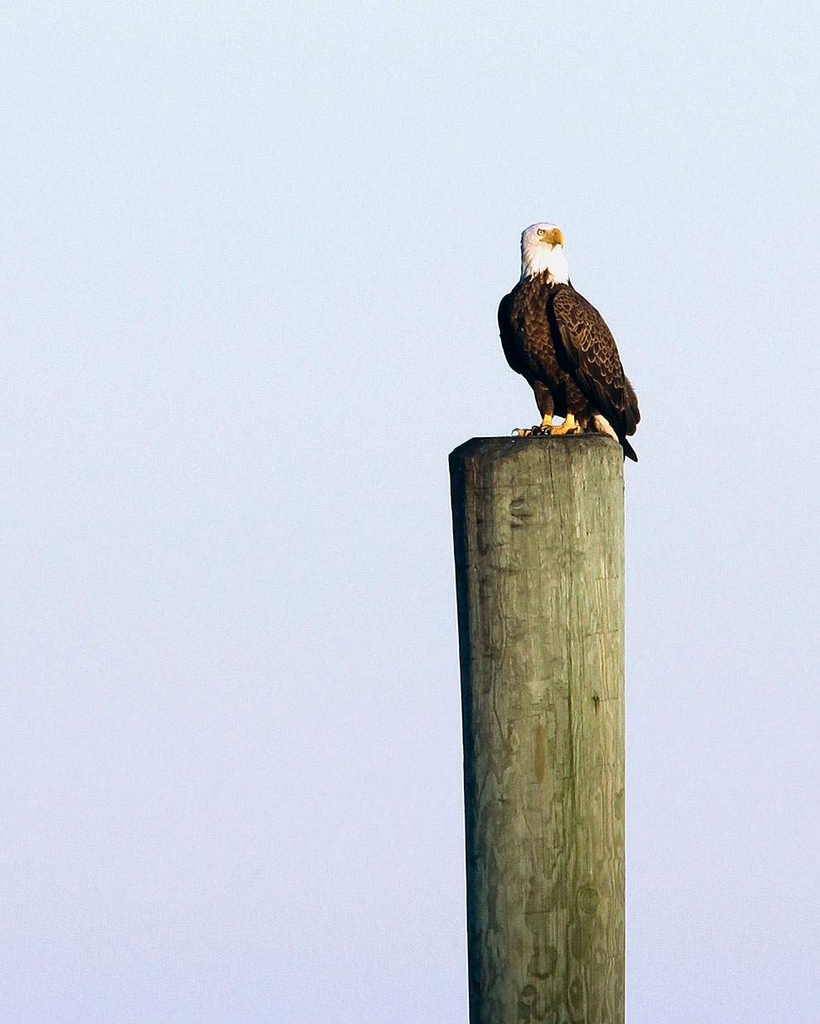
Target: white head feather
[{"x": 542, "y": 251}]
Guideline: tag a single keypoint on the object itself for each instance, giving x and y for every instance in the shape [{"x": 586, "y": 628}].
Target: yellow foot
[{"x": 569, "y": 426}]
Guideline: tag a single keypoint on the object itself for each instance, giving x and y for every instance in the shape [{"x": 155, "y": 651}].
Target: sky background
[{"x": 252, "y": 254}]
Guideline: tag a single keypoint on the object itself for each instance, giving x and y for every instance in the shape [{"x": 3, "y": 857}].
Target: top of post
[
  {"x": 574, "y": 446},
  {"x": 563, "y": 467}
]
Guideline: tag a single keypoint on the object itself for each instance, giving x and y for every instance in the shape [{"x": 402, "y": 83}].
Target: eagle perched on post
[{"x": 559, "y": 342}]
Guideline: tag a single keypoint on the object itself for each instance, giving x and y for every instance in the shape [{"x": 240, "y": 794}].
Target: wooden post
[{"x": 538, "y": 529}]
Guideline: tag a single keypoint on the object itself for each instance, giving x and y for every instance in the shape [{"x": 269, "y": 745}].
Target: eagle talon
[{"x": 535, "y": 431}]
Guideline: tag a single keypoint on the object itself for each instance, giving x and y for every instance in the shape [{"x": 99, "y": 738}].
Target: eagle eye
[{"x": 541, "y": 231}]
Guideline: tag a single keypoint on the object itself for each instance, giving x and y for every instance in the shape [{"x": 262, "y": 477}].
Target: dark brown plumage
[{"x": 560, "y": 343}]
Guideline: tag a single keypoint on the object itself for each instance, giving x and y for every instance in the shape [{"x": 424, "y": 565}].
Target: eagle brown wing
[
  {"x": 510, "y": 341},
  {"x": 588, "y": 353}
]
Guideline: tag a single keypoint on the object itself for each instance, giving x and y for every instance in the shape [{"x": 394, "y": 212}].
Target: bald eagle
[{"x": 559, "y": 342}]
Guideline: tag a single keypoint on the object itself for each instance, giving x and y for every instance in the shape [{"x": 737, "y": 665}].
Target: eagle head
[{"x": 542, "y": 251}]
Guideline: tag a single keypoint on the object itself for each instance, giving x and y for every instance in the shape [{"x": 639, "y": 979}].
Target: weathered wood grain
[{"x": 538, "y": 528}]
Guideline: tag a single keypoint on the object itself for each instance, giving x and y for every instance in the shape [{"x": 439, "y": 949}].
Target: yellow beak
[{"x": 555, "y": 237}]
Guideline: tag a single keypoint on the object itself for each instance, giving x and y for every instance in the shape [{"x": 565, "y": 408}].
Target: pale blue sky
[{"x": 252, "y": 255}]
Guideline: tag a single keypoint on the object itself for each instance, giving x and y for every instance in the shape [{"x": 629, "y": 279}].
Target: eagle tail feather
[{"x": 629, "y": 451}]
